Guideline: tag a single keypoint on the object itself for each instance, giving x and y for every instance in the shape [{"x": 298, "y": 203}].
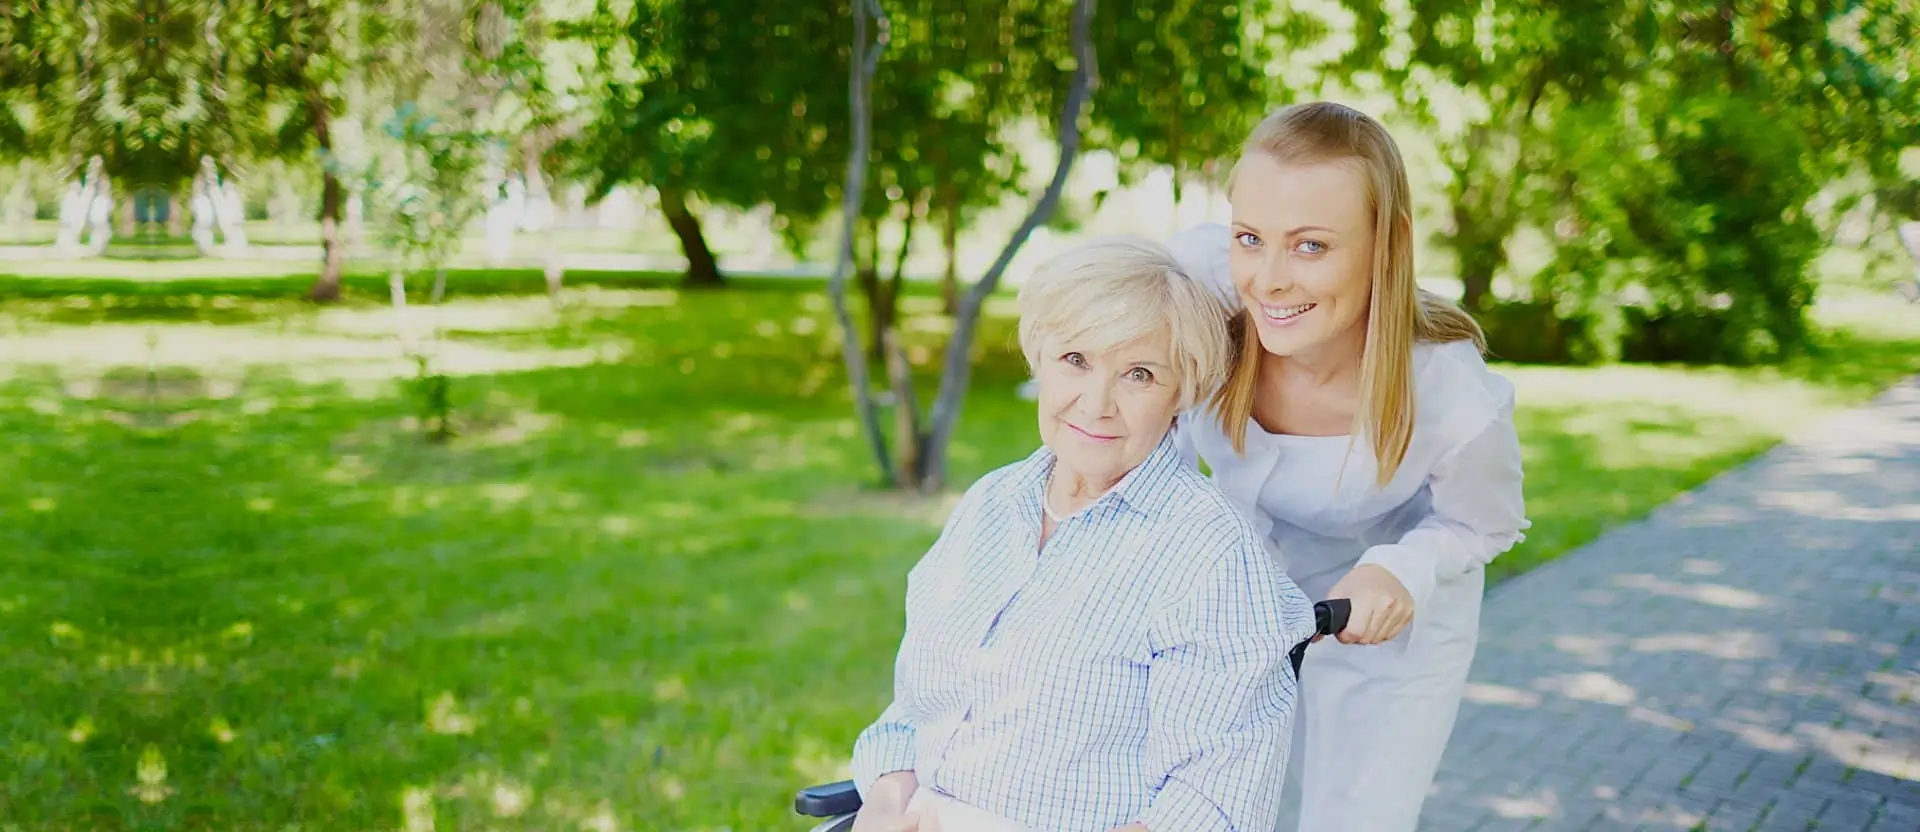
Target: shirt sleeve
[
  {"x": 890, "y": 743},
  {"x": 1221, "y": 693},
  {"x": 1479, "y": 511},
  {"x": 886, "y": 746}
]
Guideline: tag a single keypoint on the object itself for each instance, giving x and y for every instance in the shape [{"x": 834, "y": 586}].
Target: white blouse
[{"x": 1454, "y": 504}]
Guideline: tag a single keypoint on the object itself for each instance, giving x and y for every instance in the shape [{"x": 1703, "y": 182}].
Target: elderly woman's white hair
[{"x": 1112, "y": 290}]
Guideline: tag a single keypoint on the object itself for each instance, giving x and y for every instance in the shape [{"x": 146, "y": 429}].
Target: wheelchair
[{"x": 834, "y": 805}]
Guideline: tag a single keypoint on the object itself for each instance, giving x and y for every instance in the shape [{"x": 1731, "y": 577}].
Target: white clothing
[
  {"x": 1373, "y": 721},
  {"x": 954, "y": 816},
  {"x": 73, "y": 217}
]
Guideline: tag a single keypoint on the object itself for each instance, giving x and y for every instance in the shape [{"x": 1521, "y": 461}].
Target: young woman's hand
[{"x": 1381, "y": 605}]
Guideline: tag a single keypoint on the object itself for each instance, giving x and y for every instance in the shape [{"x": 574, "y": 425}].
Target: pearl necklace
[
  {"x": 1046, "y": 505},
  {"x": 1046, "y": 501}
]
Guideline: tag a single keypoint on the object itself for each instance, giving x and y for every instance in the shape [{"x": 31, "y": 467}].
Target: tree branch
[
  {"x": 958, "y": 367},
  {"x": 864, "y": 60}
]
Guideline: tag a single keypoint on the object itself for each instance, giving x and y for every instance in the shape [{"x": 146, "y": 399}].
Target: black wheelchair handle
[
  {"x": 827, "y": 800},
  {"x": 1330, "y": 616}
]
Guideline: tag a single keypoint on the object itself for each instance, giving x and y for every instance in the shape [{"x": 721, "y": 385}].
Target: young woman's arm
[{"x": 1479, "y": 512}]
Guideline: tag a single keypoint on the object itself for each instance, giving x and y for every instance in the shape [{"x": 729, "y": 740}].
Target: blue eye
[
  {"x": 1246, "y": 239},
  {"x": 1317, "y": 247}
]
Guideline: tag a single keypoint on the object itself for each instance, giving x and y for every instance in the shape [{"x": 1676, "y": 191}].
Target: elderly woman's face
[{"x": 1102, "y": 413}]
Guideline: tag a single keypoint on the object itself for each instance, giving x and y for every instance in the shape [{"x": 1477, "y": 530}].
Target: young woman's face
[{"x": 1302, "y": 253}]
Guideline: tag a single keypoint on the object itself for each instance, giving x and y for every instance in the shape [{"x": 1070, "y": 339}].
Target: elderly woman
[{"x": 1097, "y": 640}]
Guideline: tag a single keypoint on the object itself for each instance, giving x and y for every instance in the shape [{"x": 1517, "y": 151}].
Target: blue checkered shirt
[{"x": 1134, "y": 670}]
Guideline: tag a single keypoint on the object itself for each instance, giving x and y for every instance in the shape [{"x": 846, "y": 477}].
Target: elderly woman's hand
[
  {"x": 886, "y": 806},
  {"x": 869, "y": 820},
  {"x": 1381, "y": 605}
]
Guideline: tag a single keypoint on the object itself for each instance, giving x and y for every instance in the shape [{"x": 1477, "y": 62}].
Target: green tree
[
  {"x": 1619, "y": 128},
  {"x": 1183, "y": 81},
  {"x": 1854, "y": 71},
  {"x": 956, "y": 81},
  {"x": 922, "y": 446},
  {"x": 36, "y": 40},
  {"x": 954, "y": 85},
  {"x": 313, "y": 65},
  {"x": 1748, "y": 113},
  {"x": 541, "y": 58},
  {"x": 725, "y": 103},
  {"x": 1186, "y": 81},
  {"x": 1489, "y": 81}
]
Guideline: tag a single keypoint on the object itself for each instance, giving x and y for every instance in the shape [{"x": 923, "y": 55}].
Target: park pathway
[{"x": 1746, "y": 657}]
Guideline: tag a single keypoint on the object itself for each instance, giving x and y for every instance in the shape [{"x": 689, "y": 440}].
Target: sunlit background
[{"x": 433, "y": 414}]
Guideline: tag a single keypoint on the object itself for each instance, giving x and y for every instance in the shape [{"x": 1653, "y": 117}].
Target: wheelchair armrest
[{"x": 828, "y": 800}]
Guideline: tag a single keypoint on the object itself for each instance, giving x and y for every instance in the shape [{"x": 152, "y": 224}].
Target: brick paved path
[{"x": 1747, "y": 657}]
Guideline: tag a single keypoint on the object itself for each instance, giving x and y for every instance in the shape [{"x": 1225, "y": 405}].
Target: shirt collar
[{"x": 1147, "y": 489}]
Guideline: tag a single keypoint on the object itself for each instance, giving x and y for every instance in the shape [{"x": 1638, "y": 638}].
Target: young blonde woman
[{"x": 1363, "y": 434}]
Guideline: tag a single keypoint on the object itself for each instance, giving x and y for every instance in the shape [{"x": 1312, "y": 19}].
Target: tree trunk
[
  {"x": 556, "y": 273},
  {"x": 332, "y": 201},
  {"x": 1476, "y": 290},
  {"x": 949, "y": 238},
  {"x": 1481, "y": 200},
  {"x": 869, "y": 277},
  {"x": 1910, "y": 237},
  {"x": 356, "y": 220},
  {"x": 900, "y": 265},
  {"x": 402, "y": 326},
  {"x": 554, "y": 270},
  {"x": 884, "y": 300},
  {"x": 1477, "y": 258},
  {"x": 702, "y": 269},
  {"x": 906, "y": 409},
  {"x": 959, "y": 365},
  {"x": 327, "y": 287},
  {"x": 866, "y": 55}
]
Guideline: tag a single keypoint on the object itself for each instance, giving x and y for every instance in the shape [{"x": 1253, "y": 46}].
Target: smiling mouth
[
  {"x": 1091, "y": 435},
  {"x": 1283, "y": 314}
]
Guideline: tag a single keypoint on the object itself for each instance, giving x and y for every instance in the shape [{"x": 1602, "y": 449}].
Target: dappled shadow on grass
[
  {"x": 1591, "y": 466},
  {"x": 81, "y": 310},
  {"x": 598, "y": 628},
  {"x": 88, "y": 620},
  {"x": 621, "y": 597}
]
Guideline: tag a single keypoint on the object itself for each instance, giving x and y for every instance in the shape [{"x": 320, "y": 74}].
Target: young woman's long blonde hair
[{"x": 1399, "y": 314}]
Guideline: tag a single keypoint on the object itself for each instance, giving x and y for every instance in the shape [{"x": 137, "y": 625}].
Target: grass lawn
[{"x": 645, "y": 589}]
